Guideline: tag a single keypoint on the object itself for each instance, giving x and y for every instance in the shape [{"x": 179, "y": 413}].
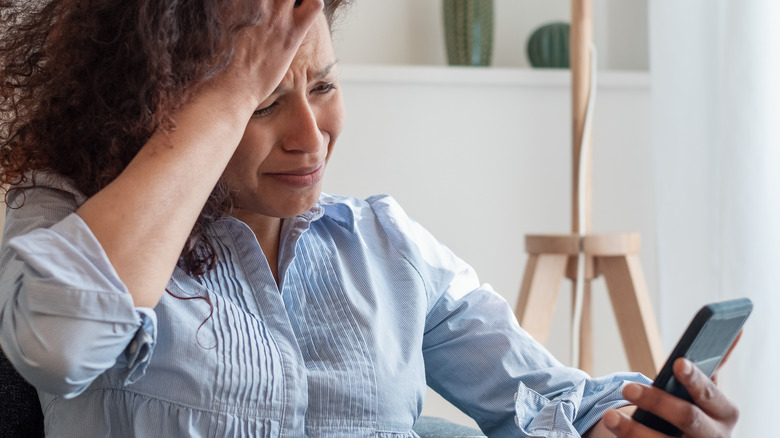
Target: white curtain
[{"x": 715, "y": 67}]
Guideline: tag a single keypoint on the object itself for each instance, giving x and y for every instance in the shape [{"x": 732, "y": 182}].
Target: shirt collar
[{"x": 334, "y": 208}]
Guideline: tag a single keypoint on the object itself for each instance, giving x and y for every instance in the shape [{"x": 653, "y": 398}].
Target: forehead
[{"x": 317, "y": 46}]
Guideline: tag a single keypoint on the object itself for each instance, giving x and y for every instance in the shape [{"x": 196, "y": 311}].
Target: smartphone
[{"x": 705, "y": 342}]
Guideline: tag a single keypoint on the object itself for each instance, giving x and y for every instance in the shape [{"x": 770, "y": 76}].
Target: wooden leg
[
  {"x": 634, "y": 312},
  {"x": 586, "y": 327},
  {"x": 539, "y": 292}
]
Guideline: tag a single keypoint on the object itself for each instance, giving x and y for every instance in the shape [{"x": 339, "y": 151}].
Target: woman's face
[{"x": 278, "y": 167}]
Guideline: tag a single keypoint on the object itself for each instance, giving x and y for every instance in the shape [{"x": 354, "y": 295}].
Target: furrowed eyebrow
[
  {"x": 319, "y": 74},
  {"x": 325, "y": 70}
]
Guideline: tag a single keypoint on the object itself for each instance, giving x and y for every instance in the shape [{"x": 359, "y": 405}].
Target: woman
[{"x": 170, "y": 268}]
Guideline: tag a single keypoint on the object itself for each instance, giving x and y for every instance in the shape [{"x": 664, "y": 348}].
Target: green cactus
[
  {"x": 548, "y": 46},
  {"x": 468, "y": 31}
]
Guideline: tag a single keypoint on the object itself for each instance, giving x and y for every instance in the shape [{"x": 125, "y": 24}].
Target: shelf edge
[{"x": 494, "y": 76}]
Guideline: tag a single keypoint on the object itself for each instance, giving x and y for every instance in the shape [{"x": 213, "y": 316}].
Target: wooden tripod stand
[{"x": 614, "y": 255}]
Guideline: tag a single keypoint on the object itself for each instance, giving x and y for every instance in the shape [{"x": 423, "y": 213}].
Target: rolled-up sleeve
[
  {"x": 482, "y": 361},
  {"x": 575, "y": 410},
  {"x": 66, "y": 317},
  {"x": 479, "y": 359}
]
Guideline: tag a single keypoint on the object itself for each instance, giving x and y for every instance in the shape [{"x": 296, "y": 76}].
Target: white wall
[
  {"x": 482, "y": 157},
  {"x": 411, "y": 31}
]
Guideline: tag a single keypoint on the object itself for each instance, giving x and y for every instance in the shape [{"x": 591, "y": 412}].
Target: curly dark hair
[{"x": 85, "y": 83}]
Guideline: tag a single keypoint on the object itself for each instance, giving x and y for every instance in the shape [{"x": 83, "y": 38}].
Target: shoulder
[
  {"x": 353, "y": 203},
  {"x": 355, "y": 213},
  {"x": 46, "y": 185},
  {"x": 42, "y": 200},
  {"x": 385, "y": 229},
  {"x": 381, "y": 218}
]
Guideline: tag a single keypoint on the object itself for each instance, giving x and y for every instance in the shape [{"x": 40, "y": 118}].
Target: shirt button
[{"x": 133, "y": 347}]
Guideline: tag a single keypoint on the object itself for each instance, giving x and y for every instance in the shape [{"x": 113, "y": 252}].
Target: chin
[{"x": 300, "y": 205}]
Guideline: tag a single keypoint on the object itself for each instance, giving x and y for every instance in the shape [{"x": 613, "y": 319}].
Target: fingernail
[
  {"x": 611, "y": 419},
  {"x": 632, "y": 392},
  {"x": 687, "y": 369}
]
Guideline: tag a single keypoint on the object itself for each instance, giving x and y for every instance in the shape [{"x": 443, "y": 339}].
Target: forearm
[{"x": 143, "y": 218}]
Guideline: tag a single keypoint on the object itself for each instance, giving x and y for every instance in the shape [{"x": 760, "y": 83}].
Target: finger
[
  {"x": 306, "y": 11},
  {"x": 704, "y": 392},
  {"x": 682, "y": 414},
  {"x": 622, "y": 425},
  {"x": 276, "y": 40},
  {"x": 295, "y": 16}
]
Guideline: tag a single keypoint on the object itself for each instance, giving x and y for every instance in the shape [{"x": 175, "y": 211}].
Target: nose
[{"x": 302, "y": 131}]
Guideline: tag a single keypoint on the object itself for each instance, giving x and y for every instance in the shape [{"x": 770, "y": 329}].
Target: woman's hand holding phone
[
  {"x": 684, "y": 399},
  {"x": 711, "y": 414}
]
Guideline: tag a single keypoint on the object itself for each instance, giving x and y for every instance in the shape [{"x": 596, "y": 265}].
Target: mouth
[{"x": 301, "y": 177}]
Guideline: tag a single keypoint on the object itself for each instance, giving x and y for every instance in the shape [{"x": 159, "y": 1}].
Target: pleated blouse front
[{"x": 369, "y": 309}]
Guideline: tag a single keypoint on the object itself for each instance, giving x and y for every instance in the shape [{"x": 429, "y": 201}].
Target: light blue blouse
[{"x": 370, "y": 308}]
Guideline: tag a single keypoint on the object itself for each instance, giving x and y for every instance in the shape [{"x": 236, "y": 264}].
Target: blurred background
[{"x": 684, "y": 152}]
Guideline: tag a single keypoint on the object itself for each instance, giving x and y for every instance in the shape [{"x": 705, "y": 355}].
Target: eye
[
  {"x": 262, "y": 112},
  {"x": 324, "y": 88}
]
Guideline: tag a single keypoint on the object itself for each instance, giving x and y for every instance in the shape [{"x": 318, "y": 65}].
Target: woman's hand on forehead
[{"x": 264, "y": 52}]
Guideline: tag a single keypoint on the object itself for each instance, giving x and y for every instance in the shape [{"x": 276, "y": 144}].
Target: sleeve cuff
[
  {"x": 574, "y": 412},
  {"x": 76, "y": 317},
  {"x": 136, "y": 357}
]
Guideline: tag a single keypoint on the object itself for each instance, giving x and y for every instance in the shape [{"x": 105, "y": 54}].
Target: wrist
[{"x": 225, "y": 102}]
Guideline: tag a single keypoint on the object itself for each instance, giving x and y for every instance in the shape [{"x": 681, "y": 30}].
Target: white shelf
[{"x": 497, "y": 76}]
